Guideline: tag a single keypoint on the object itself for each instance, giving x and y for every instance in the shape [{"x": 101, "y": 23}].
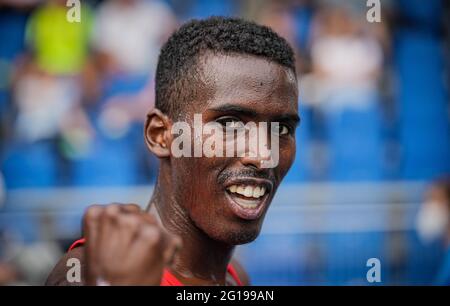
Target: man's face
[{"x": 215, "y": 190}]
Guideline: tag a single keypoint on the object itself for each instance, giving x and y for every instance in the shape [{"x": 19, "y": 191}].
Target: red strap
[
  {"x": 234, "y": 274},
  {"x": 77, "y": 243},
  {"x": 168, "y": 279}
]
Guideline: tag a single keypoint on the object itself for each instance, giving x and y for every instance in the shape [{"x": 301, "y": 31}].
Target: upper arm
[
  {"x": 58, "y": 276},
  {"x": 243, "y": 276}
]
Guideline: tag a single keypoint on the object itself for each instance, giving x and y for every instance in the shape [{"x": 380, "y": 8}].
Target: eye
[
  {"x": 281, "y": 130},
  {"x": 284, "y": 130},
  {"x": 230, "y": 122}
]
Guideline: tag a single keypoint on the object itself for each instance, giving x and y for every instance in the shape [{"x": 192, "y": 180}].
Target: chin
[
  {"x": 243, "y": 237},
  {"x": 236, "y": 236}
]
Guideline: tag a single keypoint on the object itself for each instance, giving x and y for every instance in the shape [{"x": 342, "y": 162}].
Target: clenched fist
[{"x": 125, "y": 246}]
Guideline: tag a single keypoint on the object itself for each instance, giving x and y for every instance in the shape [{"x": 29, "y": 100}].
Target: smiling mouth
[{"x": 248, "y": 199}]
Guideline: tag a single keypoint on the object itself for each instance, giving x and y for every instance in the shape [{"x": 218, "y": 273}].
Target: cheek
[
  {"x": 287, "y": 156},
  {"x": 197, "y": 180}
]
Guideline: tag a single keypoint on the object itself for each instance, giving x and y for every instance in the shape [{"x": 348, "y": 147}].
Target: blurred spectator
[
  {"x": 48, "y": 87},
  {"x": 126, "y": 41},
  {"x": 123, "y": 110},
  {"x": 28, "y": 263},
  {"x": 13, "y": 20},
  {"x": 354, "y": 65},
  {"x": 45, "y": 101},
  {"x": 129, "y": 33},
  {"x": 433, "y": 216},
  {"x": 433, "y": 223},
  {"x": 59, "y": 47},
  {"x": 347, "y": 59},
  {"x": 47, "y": 93}
]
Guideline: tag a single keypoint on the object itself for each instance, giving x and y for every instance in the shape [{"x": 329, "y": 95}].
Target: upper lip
[{"x": 253, "y": 181}]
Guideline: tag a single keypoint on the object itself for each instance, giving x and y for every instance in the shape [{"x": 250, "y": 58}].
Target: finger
[
  {"x": 148, "y": 235},
  {"x": 109, "y": 244},
  {"x": 119, "y": 227},
  {"x": 170, "y": 243},
  {"x": 149, "y": 243},
  {"x": 130, "y": 208},
  {"x": 149, "y": 219},
  {"x": 90, "y": 232}
]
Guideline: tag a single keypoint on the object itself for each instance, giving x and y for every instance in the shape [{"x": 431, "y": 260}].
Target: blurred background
[{"x": 373, "y": 150}]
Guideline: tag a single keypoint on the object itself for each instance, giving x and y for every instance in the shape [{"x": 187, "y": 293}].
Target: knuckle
[
  {"x": 129, "y": 222},
  {"x": 132, "y": 207},
  {"x": 93, "y": 212},
  {"x": 149, "y": 219},
  {"x": 112, "y": 210}
]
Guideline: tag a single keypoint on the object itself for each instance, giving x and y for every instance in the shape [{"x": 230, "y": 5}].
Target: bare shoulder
[
  {"x": 59, "y": 275},
  {"x": 243, "y": 276}
]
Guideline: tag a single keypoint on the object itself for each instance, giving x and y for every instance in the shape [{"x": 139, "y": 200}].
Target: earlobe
[{"x": 157, "y": 133}]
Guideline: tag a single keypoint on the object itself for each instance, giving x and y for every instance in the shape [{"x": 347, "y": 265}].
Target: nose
[
  {"x": 257, "y": 153},
  {"x": 256, "y": 162}
]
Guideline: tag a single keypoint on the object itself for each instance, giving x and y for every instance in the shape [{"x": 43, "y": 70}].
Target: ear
[{"x": 157, "y": 133}]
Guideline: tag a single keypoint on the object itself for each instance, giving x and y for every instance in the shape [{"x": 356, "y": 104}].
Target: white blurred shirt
[
  {"x": 133, "y": 33},
  {"x": 348, "y": 60}
]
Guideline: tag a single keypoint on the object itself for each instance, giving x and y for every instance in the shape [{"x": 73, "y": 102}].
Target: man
[
  {"x": 433, "y": 224},
  {"x": 228, "y": 71}
]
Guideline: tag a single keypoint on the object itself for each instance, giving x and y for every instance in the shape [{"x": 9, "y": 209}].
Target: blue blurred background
[{"x": 374, "y": 131}]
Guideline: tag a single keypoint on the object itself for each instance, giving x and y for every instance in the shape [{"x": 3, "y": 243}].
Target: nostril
[{"x": 254, "y": 163}]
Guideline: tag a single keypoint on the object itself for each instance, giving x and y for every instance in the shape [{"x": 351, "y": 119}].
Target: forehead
[{"x": 250, "y": 81}]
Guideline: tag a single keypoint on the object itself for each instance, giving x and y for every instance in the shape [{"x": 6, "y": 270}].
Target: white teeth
[
  {"x": 256, "y": 192},
  {"x": 240, "y": 190},
  {"x": 248, "y": 191}
]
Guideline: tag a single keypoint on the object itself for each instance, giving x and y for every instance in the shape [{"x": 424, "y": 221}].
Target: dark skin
[{"x": 189, "y": 224}]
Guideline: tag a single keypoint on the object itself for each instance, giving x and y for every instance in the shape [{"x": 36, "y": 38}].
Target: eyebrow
[
  {"x": 294, "y": 118},
  {"x": 233, "y": 108},
  {"x": 237, "y": 109}
]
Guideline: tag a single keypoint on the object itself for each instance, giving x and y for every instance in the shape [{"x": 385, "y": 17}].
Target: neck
[{"x": 201, "y": 260}]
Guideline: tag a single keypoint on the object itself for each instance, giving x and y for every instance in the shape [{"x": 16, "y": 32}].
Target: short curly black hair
[{"x": 177, "y": 73}]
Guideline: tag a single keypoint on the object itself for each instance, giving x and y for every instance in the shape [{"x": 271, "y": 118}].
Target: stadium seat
[
  {"x": 355, "y": 143},
  {"x": 422, "y": 106},
  {"x": 30, "y": 165}
]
